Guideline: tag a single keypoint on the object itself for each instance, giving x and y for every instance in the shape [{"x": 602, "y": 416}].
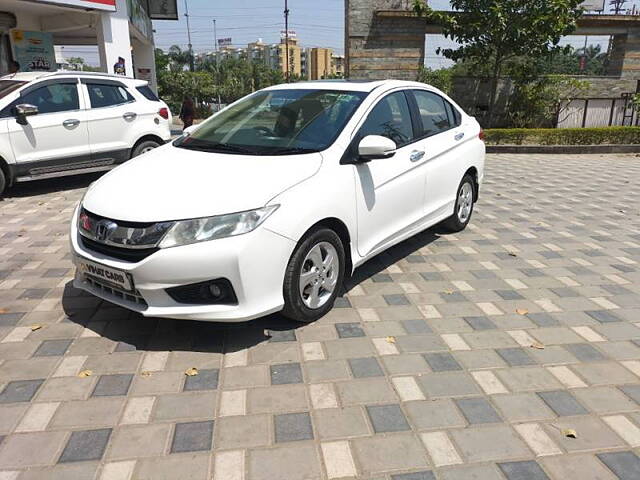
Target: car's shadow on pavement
[
  {"x": 51, "y": 185},
  {"x": 132, "y": 331}
]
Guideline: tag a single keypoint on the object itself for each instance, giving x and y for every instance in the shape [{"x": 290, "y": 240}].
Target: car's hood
[{"x": 171, "y": 183}]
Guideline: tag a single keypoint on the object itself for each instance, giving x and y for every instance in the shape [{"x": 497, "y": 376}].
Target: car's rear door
[
  {"x": 443, "y": 139},
  {"x": 112, "y": 118}
]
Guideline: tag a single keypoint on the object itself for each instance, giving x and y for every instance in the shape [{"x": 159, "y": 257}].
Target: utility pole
[
  {"x": 286, "y": 38},
  {"x": 186, "y": 14},
  {"x": 215, "y": 37}
]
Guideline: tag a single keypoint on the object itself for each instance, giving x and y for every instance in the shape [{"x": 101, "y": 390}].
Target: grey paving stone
[
  {"x": 207, "y": 379},
  {"x": 448, "y": 384},
  {"x": 488, "y": 443},
  {"x": 632, "y": 391},
  {"x": 416, "y": 326},
  {"x": 291, "y": 462},
  {"x": 423, "y": 475},
  {"x": 52, "y": 348},
  {"x": 431, "y": 276},
  {"x": 282, "y": 335},
  {"x": 581, "y": 466},
  {"x": 365, "y": 367},
  {"x": 382, "y": 278},
  {"x": 562, "y": 403},
  {"x": 378, "y": 454},
  {"x": 286, "y": 373},
  {"x": 396, "y": 299},
  {"x": 20, "y": 391},
  {"x": 85, "y": 445},
  {"x": 603, "y": 316},
  {"x": 477, "y": 410},
  {"x": 434, "y": 414},
  {"x": 474, "y": 472},
  {"x": 342, "y": 302},
  {"x": 192, "y": 437},
  {"x": 442, "y": 362},
  {"x": 480, "y": 323},
  {"x": 516, "y": 357},
  {"x": 522, "y": 407},
  {"x": 543, "y": 319},
  {"x": 564, "y": 292},
  {"x": 334, "y": 423},
  {"x": 34, "y": 293},
  {"x": 387, "y": 418},
  {"x": 509, "y": 294},
  {"x": 349, "y": 330},
  {"x": 625, "y": 465},
  {"x": 112, "y": 385},
  {"x": 454, "y": 297},
  {"x": 292, "y": 427},
  {"x": 483, "y": 274},
  {"x": 585, "y": 352},
  {"x": 10, "y": 319},
  {"x": 528, "y": 470}
]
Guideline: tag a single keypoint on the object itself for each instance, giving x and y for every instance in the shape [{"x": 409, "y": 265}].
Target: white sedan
[{"x": 270, "y": 203}]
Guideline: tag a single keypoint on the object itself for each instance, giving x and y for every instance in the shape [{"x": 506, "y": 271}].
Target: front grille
[
  {"x": 132, "y": 255},
  {"x": 103, "y": 289}
]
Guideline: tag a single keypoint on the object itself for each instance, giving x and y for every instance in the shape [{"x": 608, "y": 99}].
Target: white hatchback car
[
  {"x": 55, "y": 124},
  {"x": 268, "y": 204}
]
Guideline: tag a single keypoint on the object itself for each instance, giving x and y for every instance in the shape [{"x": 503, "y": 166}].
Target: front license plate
[{"x": 115, "y": 277}]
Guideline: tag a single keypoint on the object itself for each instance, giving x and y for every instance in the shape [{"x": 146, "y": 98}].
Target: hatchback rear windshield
[
  {"x": 8, "y": 86},
  {"x": 277, "y": 122},
  {"x": 148, "y": 93}
]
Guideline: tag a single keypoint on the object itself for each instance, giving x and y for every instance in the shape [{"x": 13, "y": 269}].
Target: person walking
[{"x": 187, "y": 111}]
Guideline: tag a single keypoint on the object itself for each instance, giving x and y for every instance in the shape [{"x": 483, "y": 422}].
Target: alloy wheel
[{"x": 319, "y": 275}]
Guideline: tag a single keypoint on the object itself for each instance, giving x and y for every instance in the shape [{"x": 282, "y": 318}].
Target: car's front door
[
  {"x": 389, "y": 192},
  {"x": 57, "y": 134}
]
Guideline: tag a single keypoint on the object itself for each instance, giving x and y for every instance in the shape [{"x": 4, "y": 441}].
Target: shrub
[{"x": 563, "y": 136}]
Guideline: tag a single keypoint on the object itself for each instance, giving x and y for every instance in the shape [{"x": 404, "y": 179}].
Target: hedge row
[{"x": 563, "y": 136}]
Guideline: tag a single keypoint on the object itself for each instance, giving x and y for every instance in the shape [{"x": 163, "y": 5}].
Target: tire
[
  {"x": 143, "y": 147},
  {"x": 308, "y": 303},
  {"x": 465, "y": 198},
  {"x": 3, "y": 182}
]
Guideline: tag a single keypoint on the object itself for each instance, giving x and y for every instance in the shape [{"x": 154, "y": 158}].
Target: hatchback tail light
[
  {"x": 164, "y": 113},
  {"x": 481, "y": 134}
]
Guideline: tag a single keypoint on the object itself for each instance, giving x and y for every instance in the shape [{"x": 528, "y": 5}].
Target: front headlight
[{"x": 185, "y": 232}]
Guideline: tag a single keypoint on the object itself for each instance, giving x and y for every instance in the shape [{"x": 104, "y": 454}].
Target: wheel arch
[
  {"x": 342, "y": 231},
  {"x": 6, "y": 170},
  {"x": 152, "y": 137},
  {"x": 473, "y": 171}
]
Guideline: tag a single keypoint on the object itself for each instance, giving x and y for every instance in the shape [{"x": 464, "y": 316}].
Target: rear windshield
[
  {"x": 148, "y": 93},
  {"x": 8, "y": 86}
]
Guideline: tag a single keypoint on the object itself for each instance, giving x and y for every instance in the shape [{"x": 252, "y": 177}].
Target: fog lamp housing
[{"x": 211, "y": 292}]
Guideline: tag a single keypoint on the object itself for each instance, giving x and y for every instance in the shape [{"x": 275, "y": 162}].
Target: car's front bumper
[{"x": 254, "y": 263}]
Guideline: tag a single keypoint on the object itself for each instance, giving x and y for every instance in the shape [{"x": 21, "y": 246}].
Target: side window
[
  {"x": 390, "y": 118},
  {"x": 55, "y": 97},
  {"x": 148, "y": 93},
  {"x": 102, "y": 95},
  {"x": 433, "y": 112},
  {"x": 454, "y": 114}
]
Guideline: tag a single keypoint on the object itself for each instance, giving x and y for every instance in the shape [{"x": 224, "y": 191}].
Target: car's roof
[
  {"x": 31, "y": 76},
  {"x": 347, "y": 85}
]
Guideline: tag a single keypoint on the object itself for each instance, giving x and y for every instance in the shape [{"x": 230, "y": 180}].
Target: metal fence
[{"x": 598, "y": 112}]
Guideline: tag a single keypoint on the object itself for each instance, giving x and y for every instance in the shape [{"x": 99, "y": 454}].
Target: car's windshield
[
  {"x": 8, "y": 86},
  {"x": 277, "y": 122}
]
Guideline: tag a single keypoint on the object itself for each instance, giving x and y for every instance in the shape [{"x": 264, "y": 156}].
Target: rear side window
[
  {"x": 148, "y": 93},
  {"x": 434, "y": 112},
  {"x": 102, "y": 95},
  {"x": 52, "y": 98}
]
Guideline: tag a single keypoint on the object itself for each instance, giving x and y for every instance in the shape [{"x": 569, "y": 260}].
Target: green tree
[
  {"x": 495, "y": 31},
  {"x": 441, "y": 78}
]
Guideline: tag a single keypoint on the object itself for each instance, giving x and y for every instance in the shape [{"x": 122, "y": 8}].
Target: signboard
[
  {"x": 108, "y": 5},
  {"x": 143, "y": 74},
  {"x": 162, "y": 9},
  {"x": 292, "y": 33},
  {"x": 33, "y": 50},
  {"x": 138, "y": 17},
  {"x": 593, "y": 5},
  {"x": 224, "y": 42}
]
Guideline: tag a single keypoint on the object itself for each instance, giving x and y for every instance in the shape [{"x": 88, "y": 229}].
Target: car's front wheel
[
  {"x": 144, "y": 147},
  {"x": 314, "y": 276},
  {"x": 464, "y": 206}
]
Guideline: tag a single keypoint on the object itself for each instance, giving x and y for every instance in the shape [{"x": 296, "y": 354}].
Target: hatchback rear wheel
[{"x": 314, "y": 276}]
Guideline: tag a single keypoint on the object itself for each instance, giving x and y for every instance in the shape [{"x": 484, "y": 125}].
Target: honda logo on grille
[{"x": 104, "y": 229}]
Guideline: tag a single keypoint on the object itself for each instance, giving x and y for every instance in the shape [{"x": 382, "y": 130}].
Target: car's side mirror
[
  {"x": 24, "y": 110},
  {"x": 189, "y": 130},
  {"x": 373, "y": 147}
]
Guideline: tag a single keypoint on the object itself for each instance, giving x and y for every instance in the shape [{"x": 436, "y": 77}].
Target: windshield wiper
[
  {"x": 214, "y": 147},
  {"x": 290, "y": 151}
]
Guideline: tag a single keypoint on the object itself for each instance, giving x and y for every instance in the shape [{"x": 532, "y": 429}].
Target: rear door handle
[
  {"x": 416, "y": 155},
  {"x": 459, "y": 136},
  {"x": 72, "y": 122},
  {"x": 129, "y": 115}
]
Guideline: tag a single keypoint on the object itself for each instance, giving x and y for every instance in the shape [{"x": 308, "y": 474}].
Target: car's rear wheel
[
  {"x": 3, "y": 182},
  {"x": 314, "y": 276},
  {"x": 144, "y": 147},
  {"x": 464, "y": 206}
]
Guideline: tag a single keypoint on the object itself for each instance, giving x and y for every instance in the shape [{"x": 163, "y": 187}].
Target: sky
[{"x": 318, "y": 23}]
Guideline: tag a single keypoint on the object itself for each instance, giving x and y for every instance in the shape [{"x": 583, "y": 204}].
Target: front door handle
[
  {"x": 459, "y": 136},
  {"x": 72, "y": 122},
  {"x": 416, "y": 155},
  {"x": 129, "y": 115}
]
